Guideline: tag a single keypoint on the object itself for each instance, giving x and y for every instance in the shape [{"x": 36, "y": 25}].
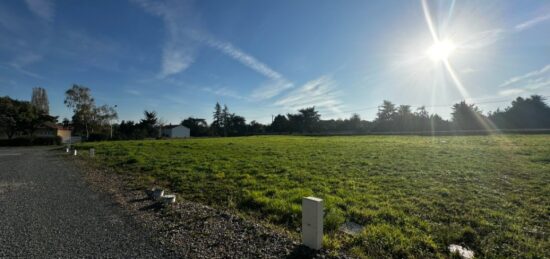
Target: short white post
[
  {"x": 157, "y": 193},
  {"x": 75, "y": 152},
  {"x": 67, "y": 150},
  {"x": 312, "y": 222},
  {"x": 92, "y": 152},
  {"x": 168, "y": 199}
]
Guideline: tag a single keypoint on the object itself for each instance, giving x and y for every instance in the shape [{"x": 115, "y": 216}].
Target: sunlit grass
[{"x": 414, "y": 195}]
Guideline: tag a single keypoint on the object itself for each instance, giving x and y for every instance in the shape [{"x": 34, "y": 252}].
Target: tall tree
[
  {"x": 79, "y": 99},
  {"x": 149, "y": 123},
  {"x": 40, "y": 100},
  {"x": 385, "y": 116},
  {"x": 467, "y": 117},
  {"x": 310, "y": 119},
  {"x": 217, "y": 119}
]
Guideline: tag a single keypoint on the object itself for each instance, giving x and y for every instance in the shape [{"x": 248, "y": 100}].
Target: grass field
[{"x": 413, "y": 195}]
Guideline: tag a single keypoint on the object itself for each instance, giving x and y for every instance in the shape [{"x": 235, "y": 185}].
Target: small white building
[{"x": 175, "y": 131}]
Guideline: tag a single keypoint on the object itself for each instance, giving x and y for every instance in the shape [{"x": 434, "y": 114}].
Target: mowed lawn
[{"x": 413, "y": 195}]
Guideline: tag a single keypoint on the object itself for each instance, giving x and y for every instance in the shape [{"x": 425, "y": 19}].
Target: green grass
[{"x": 413, "y": 195}]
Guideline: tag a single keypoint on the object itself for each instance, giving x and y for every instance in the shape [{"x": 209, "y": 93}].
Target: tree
[
  {"x": 385, "y": 116},
  {"x": 530, "y": 112},
  {"x": 310, "y": 119},
  {"x": 217, "y": 119},
  {"x": 197, "y": 126},
  {"x": 280, "y": 124},
  {"x": 80, "y": 100},
  {"x": 21, "y": 117},
  {"x": 9, "y": 116},
  {"x": 236, "y": 125},
  {"x": 467, "y": 117},
  {"x": 404, "y": 118},
  {"x": 104, "y": 115},
  {"x": 255, "y": 127},
  {"x": 149, "y": 123},
  {"x": 226, "y": 117},
  {"x": 40, "y": 100}
]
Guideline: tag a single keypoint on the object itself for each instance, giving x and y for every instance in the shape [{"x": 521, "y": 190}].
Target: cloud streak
[
  {"x": 530, "y": 23},
  {"x": 179, "y": 50},
  {"x": 42, "y": 8},
  {"x": 184, "y": 36},
  {"x": 531, "y": 82},
  {"x": 321, "y": 93},
  {"x": 536, "y": 76}
]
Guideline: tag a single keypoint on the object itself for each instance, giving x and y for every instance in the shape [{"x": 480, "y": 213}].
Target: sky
[{"x": 263, "y": 58}]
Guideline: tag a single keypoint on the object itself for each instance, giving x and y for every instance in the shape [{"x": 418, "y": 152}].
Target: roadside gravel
[
  {"x": 193, "y": 230},
  {"x": 47, "y": 210}
]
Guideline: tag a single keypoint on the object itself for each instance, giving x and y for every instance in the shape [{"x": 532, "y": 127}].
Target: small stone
[
  {"x": 351, "y": 228},
  {"x": 461, "y": 251}
]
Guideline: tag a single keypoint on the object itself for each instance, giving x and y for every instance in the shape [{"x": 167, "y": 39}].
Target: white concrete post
[
  {"x": 312, "y": 222},
  {"x": 75, "y": 152},
  {"x": 170, "y": 198},
  {"x": 92, "y": 152},
  {"x": 67, "y": 150},
  {"x": 157, "y": 194}
]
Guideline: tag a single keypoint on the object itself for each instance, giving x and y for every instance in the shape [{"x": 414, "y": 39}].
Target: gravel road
[{"x": 47, "y": 210}]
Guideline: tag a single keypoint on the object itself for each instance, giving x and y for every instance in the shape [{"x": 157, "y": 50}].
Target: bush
[
  {"x": 30, "y": 141},
  {"x": 97, "y": 137}
]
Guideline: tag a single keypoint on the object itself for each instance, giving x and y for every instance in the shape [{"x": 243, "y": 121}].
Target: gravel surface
[
  {"x": 53, "y": 204},
  {"x": 48, "y": 210},
  {"x": 193, "y": 230}
]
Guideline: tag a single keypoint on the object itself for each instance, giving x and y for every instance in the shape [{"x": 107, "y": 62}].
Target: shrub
[
  {"x": 30, "y": 141},
  {"x": 97, "y": 137}
]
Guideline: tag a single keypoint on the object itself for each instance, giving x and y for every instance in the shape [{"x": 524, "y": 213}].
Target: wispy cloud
[
  {"x": 489, "y": 37},
  {"x": 537, "y": 81},
  {"x": 184, "y": 35},
  {"x": 223, "y": 91},
  {"x": 511, "y": 92},
  {"x": 321, "y": 93},
  {"x": 44, "y": 9},
  {"x": 532, "y": 22},
  {"x": 534, "y": 77},
  {"x": 277, "y": 84},
  {"x": 482, "y": 39},
  {"x": 179, "y": 50},
  {"x": 133, "y": 92}
]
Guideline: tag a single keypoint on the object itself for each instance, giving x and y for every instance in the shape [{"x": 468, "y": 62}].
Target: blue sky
[{"x": 268, "y": 57}]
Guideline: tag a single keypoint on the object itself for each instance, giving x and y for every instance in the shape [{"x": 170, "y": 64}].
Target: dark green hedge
[{"x": 28, "y": 141}]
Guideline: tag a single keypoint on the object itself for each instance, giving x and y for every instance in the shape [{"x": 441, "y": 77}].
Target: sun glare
[{"x": 441, "y": 50}]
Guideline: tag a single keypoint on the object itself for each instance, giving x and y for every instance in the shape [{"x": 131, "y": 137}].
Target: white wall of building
[{"x": 177, "y": 132}]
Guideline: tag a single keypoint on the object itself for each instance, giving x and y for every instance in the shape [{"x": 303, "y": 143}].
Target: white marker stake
[
  {"x": 312, "y": 222},
  {"x": 67, "y": 150},
  {"x": 92, "y": 152},
  {"x": 75, "y": 152}
]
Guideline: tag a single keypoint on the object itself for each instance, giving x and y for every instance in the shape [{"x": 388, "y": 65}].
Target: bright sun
[{"x": 441, "y": 50}]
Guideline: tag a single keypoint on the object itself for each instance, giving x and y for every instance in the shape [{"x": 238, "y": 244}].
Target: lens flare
[{"x": 441, "y": 50}]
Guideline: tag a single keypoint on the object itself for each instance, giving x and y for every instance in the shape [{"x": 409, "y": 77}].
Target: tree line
[
  {"x": 96, "y": 122},
  {"x": 524, "y": 113}
]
